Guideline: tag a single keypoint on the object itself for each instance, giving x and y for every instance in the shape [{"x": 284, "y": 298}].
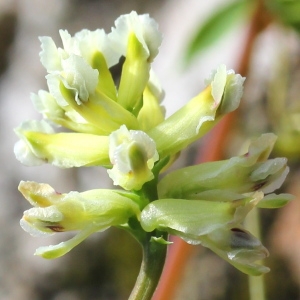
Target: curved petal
[
  {"x": 144, "y": 28},
  {"x": 87, "y": 212},
  {"x": 55, "y": 251},
  {"x": 238, "y": 247},
  {"x": 50, "y": 56},
  {"x": 22, "y": 149}
]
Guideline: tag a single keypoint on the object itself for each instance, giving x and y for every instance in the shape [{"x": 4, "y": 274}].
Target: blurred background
[{"x": 258, "y": 39}]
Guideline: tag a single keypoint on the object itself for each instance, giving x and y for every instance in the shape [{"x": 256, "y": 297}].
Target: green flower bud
[
  {"x": 227, "y": 180},
  {"x": 190, "y": 219},
  {"x": 134, "y": 77}
]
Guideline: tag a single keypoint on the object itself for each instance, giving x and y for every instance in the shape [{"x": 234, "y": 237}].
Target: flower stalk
[{"x": 154, "y": 255}]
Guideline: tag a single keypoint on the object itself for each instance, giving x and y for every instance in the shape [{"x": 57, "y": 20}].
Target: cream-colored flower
[
  {"x": 86, "y": 212},
  {"x": 132, "y": 154}
]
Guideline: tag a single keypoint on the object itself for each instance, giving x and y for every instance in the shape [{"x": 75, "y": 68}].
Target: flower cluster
[{"x": 122, "y": 127}]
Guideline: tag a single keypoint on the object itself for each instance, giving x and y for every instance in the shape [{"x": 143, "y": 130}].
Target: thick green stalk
[
  {"x": 154, "y": 255},
  {"x": 154, "y": 251}
]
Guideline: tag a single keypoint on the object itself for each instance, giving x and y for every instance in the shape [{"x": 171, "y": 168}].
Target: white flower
[
  {"x": 76, "y": 75},
  {"x": 143, "y": 27},
  {"x": 72, "y": 64},
  {"x": 86, "y": 212},
  {"x": 133, "y": 154},
  {"x": 226, "y": 86},
  {"x": 89, "y": 42}
]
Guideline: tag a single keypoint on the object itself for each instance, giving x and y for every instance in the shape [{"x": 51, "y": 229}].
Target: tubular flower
[
  {"x": 231, "y": 179},
  {"x": 39, "y": 144},
  {"x": 87, "y": 212},
  {"x": 152, "y": 113},
  {"x": 132, "y": 154},
  {"x": 46, "y": 104},
  {"x": 197, "y": 117},
  {"x": 137, "y": 37}
]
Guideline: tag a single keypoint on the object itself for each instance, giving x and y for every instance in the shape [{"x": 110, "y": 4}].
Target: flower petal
[
  {"x": 145, "y": 29},
  {"x": 50, "y": 56},
  {"x": 152, "y": 113},
  {"x": 238, "y": 247},
  {"x": 54, "y": 211},
  {"x": 275, "y": 201},
  {"x": 22, "y": 149},
  {"x": 55, "y": 251},
  {"x": 137, "y": 38}
]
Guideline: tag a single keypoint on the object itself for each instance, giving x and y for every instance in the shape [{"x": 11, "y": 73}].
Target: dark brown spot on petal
[
  {"x": 259, "y": 186},
  {"x": 55, "y": 228},
  {"x": 237, "y": 230},
  {"x": 241, "y": 239}
]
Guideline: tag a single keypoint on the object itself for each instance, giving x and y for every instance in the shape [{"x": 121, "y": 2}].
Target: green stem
[
  {"x": 256, "y": 283},
  {"x": 154, "y": 251},
  {"x": 154, "y": 255}
]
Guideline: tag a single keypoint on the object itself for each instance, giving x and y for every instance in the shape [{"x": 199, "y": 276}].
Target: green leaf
[
  {"x": 219, "y": 23},
  {"x": 288, "y": 11}
]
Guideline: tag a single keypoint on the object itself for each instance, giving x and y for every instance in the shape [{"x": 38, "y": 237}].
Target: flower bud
[
  {"x": 190, "y": 219},
  {"x": 228, "y": 180}
]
